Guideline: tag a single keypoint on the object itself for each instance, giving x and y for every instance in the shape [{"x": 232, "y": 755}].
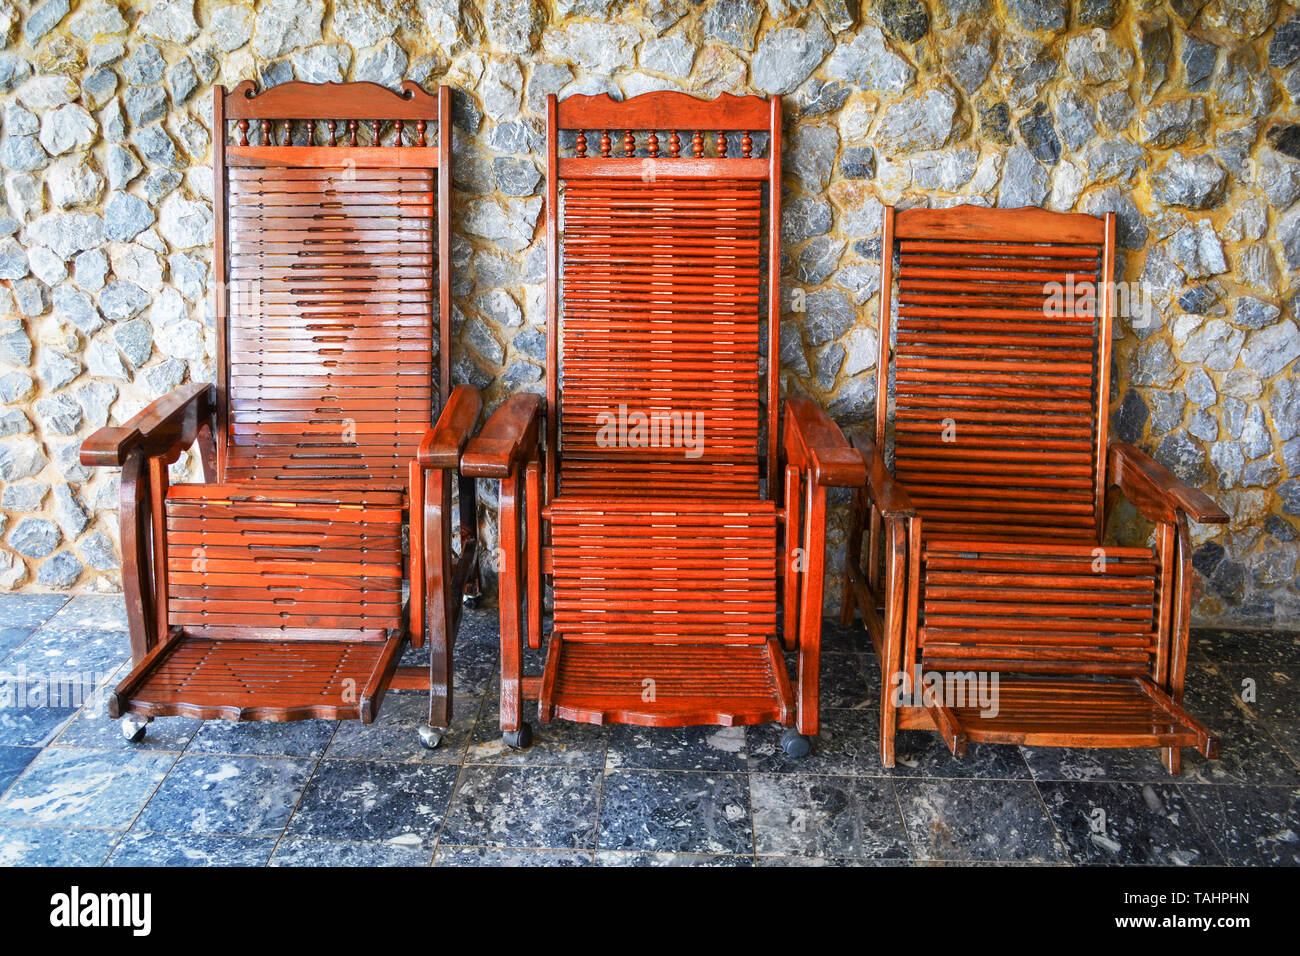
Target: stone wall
[{"x": 1180, "y": 116}]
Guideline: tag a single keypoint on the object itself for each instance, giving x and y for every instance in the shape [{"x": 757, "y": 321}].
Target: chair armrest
[
  {"x": 888, "y": 494},
  {"x": 165, "y": 426},
  {"x": 813, "y": 441},
  {"x": 508, "y": 440},
  {"x": 1155, "y": 491},
  {"x": 443, "y": 444}
]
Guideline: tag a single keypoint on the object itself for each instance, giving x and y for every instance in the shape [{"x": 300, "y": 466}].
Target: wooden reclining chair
[
  {"x": 670, "y": 567},
  {"x": 275, "y": 589},
  {"x": 985, "y": 549}
]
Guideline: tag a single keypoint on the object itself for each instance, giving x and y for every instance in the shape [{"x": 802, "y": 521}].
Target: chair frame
[
  {"x": 520, "y": 443},
  {"x": 885, "y": 587},
  {"x": 198, "y": 414}
]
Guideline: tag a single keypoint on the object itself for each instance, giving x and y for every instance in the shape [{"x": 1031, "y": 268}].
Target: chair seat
[
  {"x": 282, "y": 603},
  {"x": 1081, "y": 713},
  {"x": 665, "y": 613},
  {"x": 297, "y": 679},
  {"x": 665, "y": 685}
]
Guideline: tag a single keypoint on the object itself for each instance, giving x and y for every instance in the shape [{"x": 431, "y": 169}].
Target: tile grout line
[{"x": 284, "y": 830}]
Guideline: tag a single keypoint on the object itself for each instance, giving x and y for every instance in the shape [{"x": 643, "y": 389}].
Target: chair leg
[
  {"x": 137, "y": 570},
  {"x": 515, "y": 732},
  {"x": 810, "y": 609},
  {"x": 892, "y": 643},
  {"x": 437, "y": 587},
  {"x": 852, "y": 559},
  {"x": 1172, "y": 758}
]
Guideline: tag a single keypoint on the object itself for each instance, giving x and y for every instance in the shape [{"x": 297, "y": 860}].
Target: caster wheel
[
  {"x": 795, "y": 743},
  {"x": 430, "y": 737},
  {"x": 520, "y": 739},
  {"x": 470, "y": 601},
  {"x": 133, "y": 727}
]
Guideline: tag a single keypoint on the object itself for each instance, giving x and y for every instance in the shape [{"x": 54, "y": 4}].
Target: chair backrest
[
  {"x": 332, "y": 269},
  {"x": 655, "y": 294},
  {"x": 1001, "y": 368}
]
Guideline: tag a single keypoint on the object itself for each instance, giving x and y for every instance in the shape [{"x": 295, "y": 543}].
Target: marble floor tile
[
  {"x": 31, "y": 726},
  {"x": 54, "y": 846},
  {"x": 373, "y": 801},
  {"x": 92, "y": 727},
  {"x": 1287, "y": 734},
  {"x": 1275, "y": 648},
  {"x": 498, "y": 806},
  {"x": 825, "y": 816},
  {"x": 1248, "y": 753},
  {"x": 85, "y": 788},
  {"x": 496, "y": 856},
  {"x": 29, "y": 610},
  {"x": 1251, "y": 826},
  {"x": 1002, "y": 820},
  {"x": 13, "y": 761},
  {"x": 924, "y": 754},
  {"x": 290, "y": 738},
  {"x": 555, "y": 743},
  {"x": 843, "y": 683},
  {"x": 234, "y": 795},
  {"x": 12, "y": 638},
  {"x": 1128, "y": 823},
  {"x": 676, "y": 748},
  {"x": 102, "y": 611},
  {"x": 395, "y": 736},
  {"x": 848, "y": 743},
  {"x": 707, "y": 861},
  {"x": 293, "y": 852},
  {"x": 89, "y": 652},
  {"x": 1275, "y": 691},
  {"x": 1086, "y": 764},
  {"x": 676, "y": 812},
  {"x": 190, "y": 849}
]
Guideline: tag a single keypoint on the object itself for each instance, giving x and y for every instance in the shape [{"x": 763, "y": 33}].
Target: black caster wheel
[
  {"x": 520, "y": 739},
  {"x": 133, "y": 727},
  {"x": 795, "y": 743},
  {"x": 470, "y": 601},
  {"x": 430, "y": 737}
]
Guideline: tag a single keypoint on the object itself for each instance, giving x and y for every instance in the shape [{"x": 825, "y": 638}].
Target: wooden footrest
[
  {"x": 1082, "y": 713},
  {"x": 295, "y": 679},
  {"x": 665, "y": 685}
]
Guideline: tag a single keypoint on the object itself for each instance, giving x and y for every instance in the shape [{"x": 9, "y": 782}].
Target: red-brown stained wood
[
  {"x": 668, "y": 570},
  {"x": 1000, "y": 467},
  {"x": 276, "y": 588}
]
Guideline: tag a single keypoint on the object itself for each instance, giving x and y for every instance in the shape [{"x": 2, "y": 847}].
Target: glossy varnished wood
[
  {"x": 669, "y": 572},
  {"x": 275, "y": 589},
  {"x": 985, "y": 550}
]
